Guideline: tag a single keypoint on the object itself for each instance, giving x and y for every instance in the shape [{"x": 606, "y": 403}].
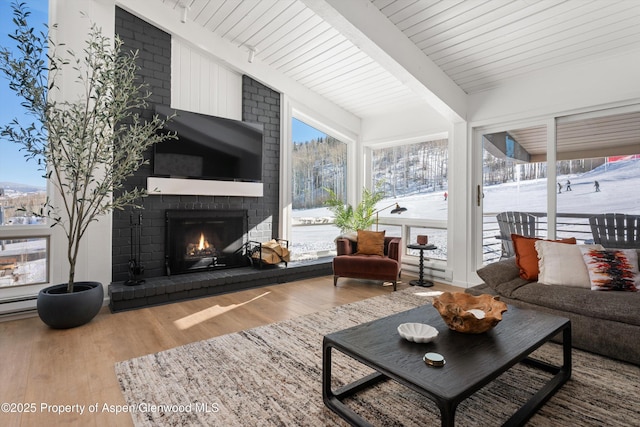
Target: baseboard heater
[
  {"x": 430, "y": 272},
  {"x": 14, "y": 308}
]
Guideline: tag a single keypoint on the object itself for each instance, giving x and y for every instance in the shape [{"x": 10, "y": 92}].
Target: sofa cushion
[
  {"x": 614, "y": 305},
  {"x": 502, "y": 276},
  {"x": 370, "y": 242},
  {"x": 612, "y": 270},
  {"x": 562, "y": 264},
  {"x": 527, "y": 255}
]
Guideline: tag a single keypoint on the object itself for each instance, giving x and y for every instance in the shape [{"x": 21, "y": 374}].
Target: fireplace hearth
[{"x": 198, "y": 240}]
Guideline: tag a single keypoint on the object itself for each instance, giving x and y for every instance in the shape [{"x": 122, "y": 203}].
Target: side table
[{"x": 421, "y": 248}]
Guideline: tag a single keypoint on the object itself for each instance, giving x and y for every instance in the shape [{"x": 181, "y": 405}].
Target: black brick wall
[{"x": 260, "y": 104}]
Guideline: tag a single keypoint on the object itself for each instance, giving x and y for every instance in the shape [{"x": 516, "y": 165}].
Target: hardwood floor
[{"x": 45, "y": 371}]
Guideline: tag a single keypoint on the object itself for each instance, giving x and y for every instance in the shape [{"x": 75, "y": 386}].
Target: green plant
[
  {"x": 87, "y": 148},
  {"x": 348, "y": 218}
]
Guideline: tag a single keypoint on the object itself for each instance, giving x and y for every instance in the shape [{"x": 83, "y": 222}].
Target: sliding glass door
[
  {"x": 514, "y": 183},
  {"x": 585, "y": 164}
]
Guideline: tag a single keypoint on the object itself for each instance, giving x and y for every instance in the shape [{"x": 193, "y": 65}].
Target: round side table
[{"x": 421, "y": 248}]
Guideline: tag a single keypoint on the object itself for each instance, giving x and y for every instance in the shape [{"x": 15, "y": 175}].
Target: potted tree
[{"x": 87, "y": 148}]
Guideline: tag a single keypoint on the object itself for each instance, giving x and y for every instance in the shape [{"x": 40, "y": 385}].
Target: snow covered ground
[{"x": 619, "y": 192}]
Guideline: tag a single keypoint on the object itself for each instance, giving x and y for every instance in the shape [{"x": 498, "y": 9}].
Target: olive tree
[{"x": 86, "y": 147}]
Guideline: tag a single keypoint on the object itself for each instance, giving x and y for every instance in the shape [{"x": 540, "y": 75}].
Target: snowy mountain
[{"x": 13, "y": 187}]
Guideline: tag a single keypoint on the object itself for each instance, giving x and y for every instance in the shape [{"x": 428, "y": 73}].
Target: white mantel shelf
[{"x": 201, "y": 187}]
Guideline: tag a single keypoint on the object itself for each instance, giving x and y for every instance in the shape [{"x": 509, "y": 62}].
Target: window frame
[{"x": 291, "y": 109}]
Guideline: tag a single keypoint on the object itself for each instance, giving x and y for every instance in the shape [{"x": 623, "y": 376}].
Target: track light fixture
[
  {"x": 185, "y": 10},
  {"x": 252, "y": 54}
]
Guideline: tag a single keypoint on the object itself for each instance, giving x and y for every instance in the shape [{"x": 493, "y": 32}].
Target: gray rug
[{"x": 271, "y": 376}]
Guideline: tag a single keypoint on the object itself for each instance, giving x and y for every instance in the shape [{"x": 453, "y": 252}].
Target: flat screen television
[{"x": 208, "y": 147}]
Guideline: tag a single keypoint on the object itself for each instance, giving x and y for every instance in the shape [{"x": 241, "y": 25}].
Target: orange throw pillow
[
  {"x": 527, "y": 256},
  {"x": 370, "y": 242}
]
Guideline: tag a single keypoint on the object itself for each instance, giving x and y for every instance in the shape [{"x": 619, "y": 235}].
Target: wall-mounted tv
[{"x": 208, "y": 147}]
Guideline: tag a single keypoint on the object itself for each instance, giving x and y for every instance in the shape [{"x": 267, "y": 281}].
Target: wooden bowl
[{"x": 468, "y": 313}]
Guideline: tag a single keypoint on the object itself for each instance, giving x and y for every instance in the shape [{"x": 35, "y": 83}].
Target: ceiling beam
[{"x": 362, "y": 23}]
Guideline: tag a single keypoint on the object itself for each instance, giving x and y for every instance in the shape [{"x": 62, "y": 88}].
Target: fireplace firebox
[{"x": 199, "y": 240}]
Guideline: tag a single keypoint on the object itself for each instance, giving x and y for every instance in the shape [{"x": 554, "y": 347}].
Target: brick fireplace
[
  {"x": 199, "y": 240},
  {"x": 260, "y": 104}
]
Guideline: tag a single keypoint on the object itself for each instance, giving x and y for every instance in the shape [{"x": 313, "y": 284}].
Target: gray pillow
[{"x": 502, "y": 276}]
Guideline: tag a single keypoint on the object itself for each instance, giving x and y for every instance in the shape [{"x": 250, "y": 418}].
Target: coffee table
[{"x": 472, "y": 360}]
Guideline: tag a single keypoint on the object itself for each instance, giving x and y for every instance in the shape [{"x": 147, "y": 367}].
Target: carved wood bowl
[{"x": 468, "y": 313}]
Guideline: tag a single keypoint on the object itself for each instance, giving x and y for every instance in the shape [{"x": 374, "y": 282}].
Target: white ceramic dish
[{"x": 417, "y": 332}]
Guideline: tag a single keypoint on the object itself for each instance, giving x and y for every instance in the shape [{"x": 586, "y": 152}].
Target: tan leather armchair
[{"x": 348, "y": 263}]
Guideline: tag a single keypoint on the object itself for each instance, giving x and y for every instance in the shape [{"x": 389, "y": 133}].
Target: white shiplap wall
[{"x": 200, "y": 84}]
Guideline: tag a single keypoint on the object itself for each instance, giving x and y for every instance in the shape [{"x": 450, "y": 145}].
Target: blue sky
[
  {"x": 13, "y": 165},
  {"x": 302, "y": 132}
]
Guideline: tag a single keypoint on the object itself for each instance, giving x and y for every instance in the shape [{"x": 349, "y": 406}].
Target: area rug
[{"x": 271, "y": 376}]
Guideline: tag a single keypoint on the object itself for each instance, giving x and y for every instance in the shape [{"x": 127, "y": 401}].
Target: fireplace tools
[{"x": 135, "y": 267}]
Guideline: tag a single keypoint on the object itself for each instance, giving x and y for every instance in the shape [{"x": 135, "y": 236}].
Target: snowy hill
[{"x": 12, "y": 187}]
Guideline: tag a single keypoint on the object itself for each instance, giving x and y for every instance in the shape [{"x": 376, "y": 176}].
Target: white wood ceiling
[
  {"x": 292, "y": 39},
  {"x": 607, "y": 135},
  {"x": 479, "y": 44}
]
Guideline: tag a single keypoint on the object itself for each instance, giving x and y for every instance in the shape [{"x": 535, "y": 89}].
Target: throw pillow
[
  {"x": 527, "y": 256},
  {"x": 562, "y": 264},
  {"x": 613, "y": 269},
  {"x": 370, "y": 242}
]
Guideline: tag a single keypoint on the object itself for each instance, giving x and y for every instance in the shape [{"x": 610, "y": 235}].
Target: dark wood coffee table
[{"x": 472, "y": 361}]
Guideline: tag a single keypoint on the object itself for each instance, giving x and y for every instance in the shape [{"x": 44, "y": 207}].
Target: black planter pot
[{"x": 62, "y": 310}]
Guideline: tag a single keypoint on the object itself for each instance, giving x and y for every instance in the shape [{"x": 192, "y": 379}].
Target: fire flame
[{"x": 203, "y": 244}]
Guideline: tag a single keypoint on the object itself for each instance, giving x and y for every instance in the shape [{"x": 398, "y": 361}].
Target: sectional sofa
[{"x": 603, "y": 322}]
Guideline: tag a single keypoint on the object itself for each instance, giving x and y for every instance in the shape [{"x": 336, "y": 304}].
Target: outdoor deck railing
[{"x": 567, "y": 225}]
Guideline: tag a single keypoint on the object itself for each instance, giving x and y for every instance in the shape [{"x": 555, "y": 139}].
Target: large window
[
  {"x": 319, "y": 162},
  {"x": 597, "y": 168},
  {"x": 415, "y": 177},
  {"x": 21, "y": 181},
  {"x": 23, "y": 237},
  {"x": 599, "y": 155}
]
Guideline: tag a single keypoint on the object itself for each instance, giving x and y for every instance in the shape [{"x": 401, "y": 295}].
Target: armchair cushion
[{"x": 370, "y": 242}]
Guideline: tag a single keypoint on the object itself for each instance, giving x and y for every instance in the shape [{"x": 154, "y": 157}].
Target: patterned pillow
[
  {"x": 613, "y": 269},
  {"x": 370, "y": 242}
]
